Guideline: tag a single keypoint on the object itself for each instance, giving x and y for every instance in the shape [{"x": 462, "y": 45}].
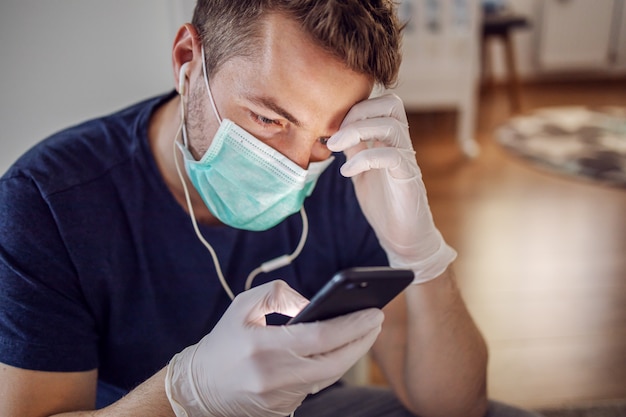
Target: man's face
[{"x": 290, "y": 95}]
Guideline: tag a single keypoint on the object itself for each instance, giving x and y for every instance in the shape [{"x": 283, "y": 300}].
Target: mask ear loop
[
  {"x": 268, "y": 266},
  {"x": 208, "y": 89}
]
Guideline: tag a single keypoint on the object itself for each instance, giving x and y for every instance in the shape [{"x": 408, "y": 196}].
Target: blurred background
[{"x": 517, "y": 115}]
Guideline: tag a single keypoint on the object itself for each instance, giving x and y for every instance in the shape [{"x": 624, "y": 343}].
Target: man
[{"x": 113, "y": 299}]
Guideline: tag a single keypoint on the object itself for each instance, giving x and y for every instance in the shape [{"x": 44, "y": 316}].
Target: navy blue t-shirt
[{"x": 100, "y": 266}]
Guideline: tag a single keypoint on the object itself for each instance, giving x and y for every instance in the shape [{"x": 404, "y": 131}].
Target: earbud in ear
[{"x": 181, "y": 78}]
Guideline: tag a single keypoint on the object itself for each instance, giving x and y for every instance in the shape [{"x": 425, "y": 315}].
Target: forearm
[
  {"x": 439, "y": 358},
  {"x": 148, "y": 399}
]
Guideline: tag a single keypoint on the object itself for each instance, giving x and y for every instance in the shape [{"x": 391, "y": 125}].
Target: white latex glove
[
  {"x": 245, "y": 368},
  {"x": 381, "y": 161}
]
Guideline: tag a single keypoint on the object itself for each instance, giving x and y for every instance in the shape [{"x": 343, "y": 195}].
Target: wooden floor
[{"x": 542, "y": 258}]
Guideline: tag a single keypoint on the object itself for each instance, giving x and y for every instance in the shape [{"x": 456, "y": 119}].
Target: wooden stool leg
[
  {"x": 513, "y": 80},
  {"x": 486, "y": 64}
]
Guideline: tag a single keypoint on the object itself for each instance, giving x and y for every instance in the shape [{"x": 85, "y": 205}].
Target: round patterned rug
[{"x": 583, "y": 142}]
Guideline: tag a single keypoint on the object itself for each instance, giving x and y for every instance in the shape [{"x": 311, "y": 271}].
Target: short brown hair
[{"x": 364, "y": 34}]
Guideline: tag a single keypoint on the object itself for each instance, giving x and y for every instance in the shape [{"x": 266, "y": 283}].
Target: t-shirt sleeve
[{"x": 45, "y": 323}]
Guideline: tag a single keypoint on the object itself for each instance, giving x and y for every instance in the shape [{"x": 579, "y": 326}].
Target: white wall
[
  {"x": 64, "y": 61},
  {"x": 620, "y": 41}
]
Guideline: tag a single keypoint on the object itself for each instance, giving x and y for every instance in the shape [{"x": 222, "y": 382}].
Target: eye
[
  {"x": 264, "y": 121},
  {"x": 323, "y": 140}
]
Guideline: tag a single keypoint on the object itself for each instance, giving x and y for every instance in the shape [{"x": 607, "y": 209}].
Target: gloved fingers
[
  {"x": 376, "y": 158},
  {"x": 401, "y": 163},
  {"x": 309, "y": 339},
  {"x": 316, "y": 372},
  {"x": 330, "y": 366},
  {"x": 273, "y": 297},
  {"x": 384, "y": 130},
  {"x": 388, "y": 105}
]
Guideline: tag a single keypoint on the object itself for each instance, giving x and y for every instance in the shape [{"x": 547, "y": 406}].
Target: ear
[{"x": 186, "y": 54}]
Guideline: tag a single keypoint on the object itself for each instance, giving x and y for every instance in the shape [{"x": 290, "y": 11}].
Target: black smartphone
[{"x": 355, "y": 289}]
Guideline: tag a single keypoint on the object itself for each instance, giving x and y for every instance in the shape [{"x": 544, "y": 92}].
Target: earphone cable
[
  {"x": 285, "y": 259},
  {"x": 218, "y": 268}
]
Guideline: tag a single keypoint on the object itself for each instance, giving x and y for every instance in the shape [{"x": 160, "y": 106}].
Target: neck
[{"x": 163, "y": 127}]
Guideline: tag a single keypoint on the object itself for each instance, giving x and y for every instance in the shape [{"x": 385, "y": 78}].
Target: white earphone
[{"x": 181, "y": 78}]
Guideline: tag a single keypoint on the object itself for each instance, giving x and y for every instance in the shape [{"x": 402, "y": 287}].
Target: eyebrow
[{"x": 270, "y": 104}]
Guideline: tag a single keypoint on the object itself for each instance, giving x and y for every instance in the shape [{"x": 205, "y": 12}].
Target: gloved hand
[
  {"x": 245, "y": 368},
  {"x": 381, "y": 161}
]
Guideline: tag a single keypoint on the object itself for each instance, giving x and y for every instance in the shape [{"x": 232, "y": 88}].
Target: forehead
[{"x": 288, "y": 66}]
